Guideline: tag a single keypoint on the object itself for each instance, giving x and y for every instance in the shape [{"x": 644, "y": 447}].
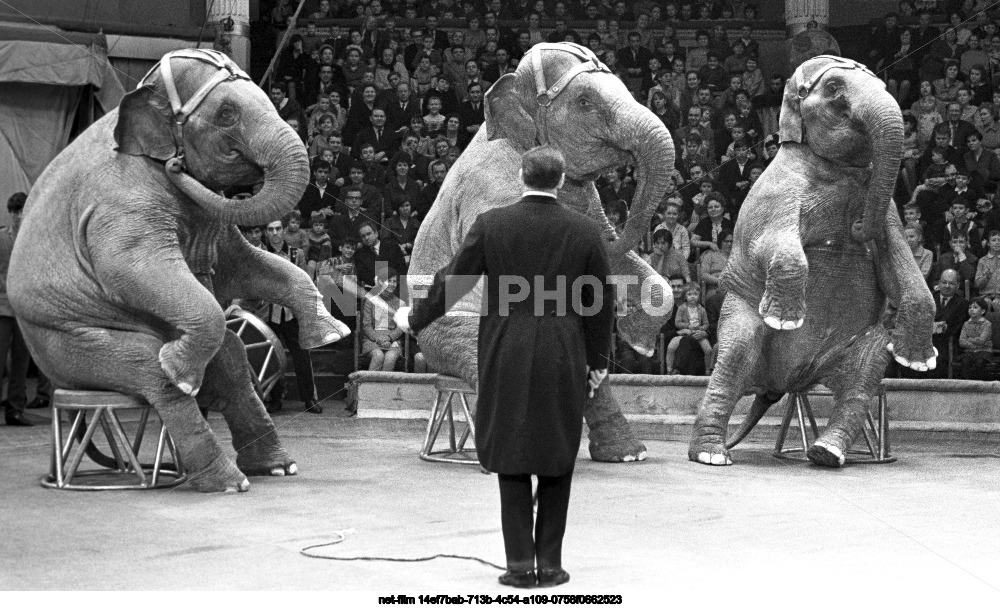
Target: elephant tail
[{"x": 761, "y": 404}]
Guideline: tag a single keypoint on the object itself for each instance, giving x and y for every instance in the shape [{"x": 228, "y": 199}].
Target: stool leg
[
  {"x": 779, "y": 444},
  {"x": 812, "y": 419},
  {"x": 57, "y": 447},
  {"x": 883, "y": 427},
  {"x": 103, "y": 418},
  {"x": 132, "y": 458},
  {"x": 470, "y": 428},
  {"x": 140, "y": 431},
  {"x": 159, "y": 455},
  {"x": 78, "y": 420},
  {"x": 425, "y": 450},
  {"x": 451, "y": 424},
  {"x": 802, "y": 423},
  {"x": 87, "y": 436},
  {"x": 438, "y": 420}
]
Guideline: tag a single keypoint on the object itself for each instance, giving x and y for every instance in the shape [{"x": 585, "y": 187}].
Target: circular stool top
[
  {"x": 72, "y": 398},
  {"x": 453, "y": 384}
]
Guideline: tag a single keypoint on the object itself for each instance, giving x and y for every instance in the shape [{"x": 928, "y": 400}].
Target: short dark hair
[
  {"x": 542, "y": 167},
  {"x": 321, "y": 164},
  {"x": 352, "y": 241},
  {"x": 981, "y": 303},
  {"x": 16, "y": 201},
  {"x": 664, "y": 235}
]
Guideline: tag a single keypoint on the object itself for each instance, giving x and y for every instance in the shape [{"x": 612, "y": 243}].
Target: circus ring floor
[{"x": 923, "y": 529}]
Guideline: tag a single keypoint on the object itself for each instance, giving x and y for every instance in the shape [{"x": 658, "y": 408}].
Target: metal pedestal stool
[
  {"x": 450, "y": 389},
  {"x": 875, "y": 432},
  {"x": 123, "y": 470}
]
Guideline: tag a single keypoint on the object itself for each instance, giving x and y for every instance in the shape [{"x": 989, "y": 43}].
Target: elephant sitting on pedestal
[
  {"x": 126, "y": 249},
  {"x": 560, "y": 95},
  {"x": 819, "y": 255}
]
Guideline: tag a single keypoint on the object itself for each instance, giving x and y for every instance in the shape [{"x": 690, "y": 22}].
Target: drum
[{"x": 265, "y": 352}]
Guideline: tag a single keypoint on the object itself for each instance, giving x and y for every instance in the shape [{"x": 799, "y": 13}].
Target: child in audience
[
  {"x": 342, "y": 266},
  {"x": 915, "y": 239},
  {"x": 691, "y": 320},
  {"x": 976, "y": 341},
  {"x": 318, "y": 246},
  {"x": 988, "y": 272},
  {"x": 294, "y": 235},
  {"x": 380, "y": 335}
]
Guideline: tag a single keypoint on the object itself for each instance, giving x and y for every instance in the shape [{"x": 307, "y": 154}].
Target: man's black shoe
[
  {"x": 550, "y": 577},
  {"x": 38, "y": 403},
  {"x": 313, "y": 408},
  {"x": 518, "y": 579},
  {"x": 17, "y": 420}
]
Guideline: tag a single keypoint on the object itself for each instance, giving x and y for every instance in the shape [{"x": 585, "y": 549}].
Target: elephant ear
[
  {"x": 506, "y": 117},
  {"x": 143, "y": 127},
  {"x": 790, "y": 120}
]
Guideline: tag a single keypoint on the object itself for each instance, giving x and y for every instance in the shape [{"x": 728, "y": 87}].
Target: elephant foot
[
  {"x": 322, "y": 330},
  {"x": 613, "y": 441},
  {"x": 256, "y": 459},
  {"x": 781, "y": 315},
  {"x": 221, "y": 475},
  {"x": 826, "y": 454},
  {"x": 179, "y": 370},
  {"x": 709, "y": 452},
  {"x": 915, "y": 359}
]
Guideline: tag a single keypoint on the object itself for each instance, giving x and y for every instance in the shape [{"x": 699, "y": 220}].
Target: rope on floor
[{"x": 343, "y": 535}]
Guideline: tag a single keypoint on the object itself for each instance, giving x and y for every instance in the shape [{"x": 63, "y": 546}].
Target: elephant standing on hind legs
[
  {"x": 560, "y": 95},
  {"x": 818, "y": 258},
  {"x": 126, "y": 249}
]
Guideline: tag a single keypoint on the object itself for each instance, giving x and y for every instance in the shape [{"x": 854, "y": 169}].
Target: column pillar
[
  {"x": 235, "y": 43},
  {"x": 798, "y": 13}
]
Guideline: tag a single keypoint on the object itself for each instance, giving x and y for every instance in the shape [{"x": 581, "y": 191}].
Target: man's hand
[
  {"x": 594, "y": 379},
  {"x": 402, "y": 318}
]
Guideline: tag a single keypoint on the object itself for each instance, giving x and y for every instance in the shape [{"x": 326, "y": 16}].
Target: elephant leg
[
  {"x": 899, "y": 277},
  {"x": 129, "y": 363},
  {"x": 741, "y": 339},
  {"x": 245, "y": 272},
  {"x": 783, "y": 305},
  {"x": 229, "y": 389},
  {"x": 854, "y": 387},
  {"x": 611, "y": 438}
]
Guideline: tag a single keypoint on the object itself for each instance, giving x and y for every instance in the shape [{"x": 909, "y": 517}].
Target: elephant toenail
[
  {"x": 641, "y": 456},
  {"x": 718, "y": 459},
  {"x": 293, "y": 469},
  {"x": 185, "y": 388},
  {"x": 772, "y": 322},
  {"x": 902, "y": 361},
  {"x": 245, "y": 485},
  {"x": 704, "y": 458},
  {"x": 277, "y": 472},
  {"x": 789, "y": 325},
  {"x": 628, "y": 458}
]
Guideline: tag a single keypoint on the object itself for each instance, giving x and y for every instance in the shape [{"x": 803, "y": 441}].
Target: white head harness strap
[
  {"x": 807, "y": 85},
  {"x": 545, "y": 95},
  {"x": 228, "y": 70}
]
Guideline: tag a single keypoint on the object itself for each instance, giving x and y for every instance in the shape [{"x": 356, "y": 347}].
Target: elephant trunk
[
  {"x": 650, "y": 143},
  {"x": 883, "y": 123},
  {"x": 286, "y": 174}
]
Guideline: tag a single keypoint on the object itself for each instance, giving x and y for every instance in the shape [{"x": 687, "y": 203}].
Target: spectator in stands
[
  {"x": 283, "y": 323},
  {"x": 471, "y": 112},
  {"x": 376, "y": 254},
  {"x": 402, "y": 228},
  {"x": 360, "y": 115},
  {"x": 383, "y": 140},
  {"x": 734, "y": 176},
  {"x": 752, "y": 79},
  {"x": 705, "y": 235},
  {"x": 990, "y": 128},
  {"x": 713, "y": 75},
  {"x": 982, "y": 91},
  {"x": 381, "y": 338},
  {"x": 401, "y": 187},
  {"x": 960, "y": 258},
  {"x": 914, "y": 235},
  {"x": 983, "y": 165},
  {"x": 287, "y": 108},
  {"x": 318, "y": 247},
  {"x": 295, "y": 236},
  {"x": 664, "y": 110},
  {"x": 634, "y": 60},
  {"x": 475, "y": 37},
  {"x": 388, "y": 64},
  {"x": 987, "y": 281},
  {"x": 438, "y": 170},
  {"x": 712, "y": 262},
  {"x": 680, "y": 238},
  {"x": 443, "y": 90},
  {"x": 946, "y": 88},
  {"x": 11, "y": 339},
  {"x": 698, "y": 56},
  {"x": 345, "y": 225},
  {"x": 319, "y": 194},
  {"x": 769, "y": 103},
  {"x": 666, "y": 260},
  {"x": 615, "y": 188},
  {"x": 690, "y": 320},
  {"x": 403, "y": 108},
  {"x": 976, "y": 341},
  {"x": 951, "y": 313}
]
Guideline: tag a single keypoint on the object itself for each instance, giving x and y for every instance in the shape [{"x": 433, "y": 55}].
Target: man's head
[
  {"x": 352, "y": 198},
  {"x": 438, "y": 170},
  {"x": 974, "y": 142},
  {"x": 959, "y": 207},
  {"x": 277, "y": 92},
  {"x": 475, "y": 92},
  {"x": 275, "y": 234},
  {"x": 321, "y": 171},
  {"x": 15, "y": 207},
  {"x": 741, "y": 149},
  {"x": 368, "y": 234},
  {"x": 543, "y": 168},
  {"x": 378, "y": 118},
  {"x": 403, "y": 92},
  {"x": 954, "y": 111},
  {"x": 348, "y": 247}
]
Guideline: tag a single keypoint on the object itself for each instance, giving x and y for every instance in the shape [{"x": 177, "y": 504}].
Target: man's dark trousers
[{"x": 517, "y": 521}]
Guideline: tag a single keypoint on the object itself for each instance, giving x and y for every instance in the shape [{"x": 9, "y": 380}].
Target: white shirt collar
[{"x": 538, "y": 193}]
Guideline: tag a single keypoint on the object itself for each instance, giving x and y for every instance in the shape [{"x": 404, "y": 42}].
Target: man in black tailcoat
[{"x": 536, "y": 367}]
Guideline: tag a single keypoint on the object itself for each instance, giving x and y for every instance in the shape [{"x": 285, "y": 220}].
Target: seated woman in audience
[
  {"x": 454, "y": 133},
  {"x": 381, "y": 338},
  {"x": 319, "y": 140},
  {"x": 402, "y": 228},
  {"x": 713, "y": 262},
  {"x": 947, "y": 88},
  {"x": 989, "y": 127},
  {"x": 982, "y": 91},
  {"x": 666, "y": 260},
  {"x": 706, "y": 233}
]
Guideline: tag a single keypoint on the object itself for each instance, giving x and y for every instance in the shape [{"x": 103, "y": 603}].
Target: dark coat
[
  {"x": 366, "y": 261},
  {"x": 532, "y": 369}
]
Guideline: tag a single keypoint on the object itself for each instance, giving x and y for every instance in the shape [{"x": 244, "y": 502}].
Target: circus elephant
[
  {"x": 127, "y": 247},
  {"x": 562, "y": 95},
  {"x": 819, "y": 260}
]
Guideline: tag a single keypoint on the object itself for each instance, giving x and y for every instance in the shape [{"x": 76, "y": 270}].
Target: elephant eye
[
  {"x": 226, "y": 117},
  {"x": 585, "y": 103}
]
